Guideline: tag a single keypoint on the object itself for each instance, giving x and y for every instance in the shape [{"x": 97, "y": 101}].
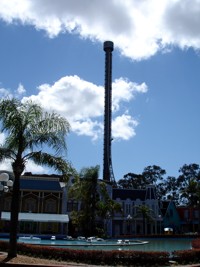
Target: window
[
  {"x": 186, "y": 214},
  {"x": 50, "y": 206},
  {"x": 133, "y": 209},
  {"x": 128, "y": 208},
  {"x": 30, "y": 205}
]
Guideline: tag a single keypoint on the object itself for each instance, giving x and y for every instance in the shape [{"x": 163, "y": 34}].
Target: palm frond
[
  {"x": 9, "y": 114},
  {"x": 28, "y": 126},
  {"x": 58, "y": 163},
  {"x": 49, "y": 129},
  {"x": 6, "y": 153}
]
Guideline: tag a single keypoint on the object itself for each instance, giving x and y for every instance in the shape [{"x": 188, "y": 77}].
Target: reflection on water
[
  {"x": 152, "y": 245},
  {"x": 168, "y": 245}
]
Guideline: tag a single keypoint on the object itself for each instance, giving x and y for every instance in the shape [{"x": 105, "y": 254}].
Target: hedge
[{"x": 101, "y": 257}]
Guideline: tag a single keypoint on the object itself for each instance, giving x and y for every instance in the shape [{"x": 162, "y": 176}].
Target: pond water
[{"x": 151, "y": 244}]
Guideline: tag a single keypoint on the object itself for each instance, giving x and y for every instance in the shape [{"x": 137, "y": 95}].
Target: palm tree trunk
[
  {"x": 14, "y": 218},
  {"x": 144, "y": 225}
]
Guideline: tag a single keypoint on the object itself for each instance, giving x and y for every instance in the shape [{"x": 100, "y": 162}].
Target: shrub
[
  {"x": 186, "y": 256},
  {"x": 97, "y": 257},
  {"x": 196, "y": 243},
  {"x": 100, "y": 257}
]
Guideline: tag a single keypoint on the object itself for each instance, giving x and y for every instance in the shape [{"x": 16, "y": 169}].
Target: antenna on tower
[{"x": 108, "y": 174}]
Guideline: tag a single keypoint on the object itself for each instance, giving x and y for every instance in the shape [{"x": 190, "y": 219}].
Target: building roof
[
  {"x": 164, "y": 206},
  {"x": 39, "y": 184},
  {"x": 150, "y": 192},
  {"x": 132, "y": 194}
]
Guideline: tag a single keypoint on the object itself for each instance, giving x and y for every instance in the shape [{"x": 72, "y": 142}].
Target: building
[
  {"x": 45, "y": 208},
  {"x": 170, "y": 215},
  {"x": 132, "y": 221},
  {"x": 42, "y": 205},
  {"x": 190, "y": 219}
]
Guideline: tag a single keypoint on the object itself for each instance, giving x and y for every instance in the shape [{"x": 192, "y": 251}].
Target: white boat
[
  {"x": 91, "y": 239},
  {"x": 29, "y": 238},
  {"x": 127, "y": 242},
  {"x": 53, "y": 237},
  {"x": 81, "y": 238},
  {"x": 94, "y": 239},
  {"x": 68, "y": 237},
  {"x": 100, "y": 239}
]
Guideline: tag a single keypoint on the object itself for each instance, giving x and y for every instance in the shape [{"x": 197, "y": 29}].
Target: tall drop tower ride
[{"x": 107, "y": 159}]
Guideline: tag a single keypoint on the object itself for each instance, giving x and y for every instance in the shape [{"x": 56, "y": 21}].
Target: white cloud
[
  {"x": 125, "y": 90},
  {"x": 2, "y": 138},
  {"x": 88, "y": 128},
  {"x": 82, "y": 103},
  {"x": 21, "y": 90},
  {"x": 124, "y": 126},
  {"x": 5, "y": 93},
  {"x": 71, "y": 97},
  {"x": 32, "y": 167},
  {"x": 182, "y": 22},
  {"x": 138, "y": 28},
  {"x": 6, "y": 165}
]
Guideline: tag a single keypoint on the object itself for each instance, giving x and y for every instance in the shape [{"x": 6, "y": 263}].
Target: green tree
[
  {"x": 146, "y": 213},
  {"x": 153, "y": 174},
  {"x": 188, "y": 182},
  {"x": 28, "y": 128},
  {"x": 106, "y": 207},
  {"x": 95, "y": 201},
  {"x": 85, "y": 190},
  {"x": 168, "y": 189},
  {"x": 191, "y": 193},
  {"x": 132, "y": 181},
  {"x": 150, "y": 175}
]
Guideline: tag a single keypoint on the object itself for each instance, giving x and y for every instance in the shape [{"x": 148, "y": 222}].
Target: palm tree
[
  {"x": 106, "y": 207},
  {"x": 95, "y": 201},
  {"x": 85, "y": 190},
  {"x": 28, "y": 127},
  {"x": 146, "y": 213}
]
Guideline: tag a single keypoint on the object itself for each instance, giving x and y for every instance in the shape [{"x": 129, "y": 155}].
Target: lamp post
[
  {"x": 5, "y": 185},
  {"x": 129, "y": 218}
]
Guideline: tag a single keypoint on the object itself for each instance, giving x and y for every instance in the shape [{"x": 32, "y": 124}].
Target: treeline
[{"x": 184, "y": 189}]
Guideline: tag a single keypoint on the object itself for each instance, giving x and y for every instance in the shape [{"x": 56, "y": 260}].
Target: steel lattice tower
[{"x": 107, "y": 159}]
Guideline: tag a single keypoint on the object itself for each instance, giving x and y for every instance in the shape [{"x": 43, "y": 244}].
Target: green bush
[
  {"x": 186, "y": 256},
  {"x": 100, "y": 257},
  {"x": 97, "y": 257},
  {"x": 196, "y": 243}
]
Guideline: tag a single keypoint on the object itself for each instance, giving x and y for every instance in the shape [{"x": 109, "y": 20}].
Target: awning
[{"x": 38, "y": 217}]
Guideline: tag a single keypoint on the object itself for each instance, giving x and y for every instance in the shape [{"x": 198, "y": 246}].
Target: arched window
[
  {"x": 50, "y": 206},
  {"x": 30, "y": 204}
]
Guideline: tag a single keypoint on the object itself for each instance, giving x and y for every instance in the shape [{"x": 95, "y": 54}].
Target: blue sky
[{"x": 52, "y": 52}]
